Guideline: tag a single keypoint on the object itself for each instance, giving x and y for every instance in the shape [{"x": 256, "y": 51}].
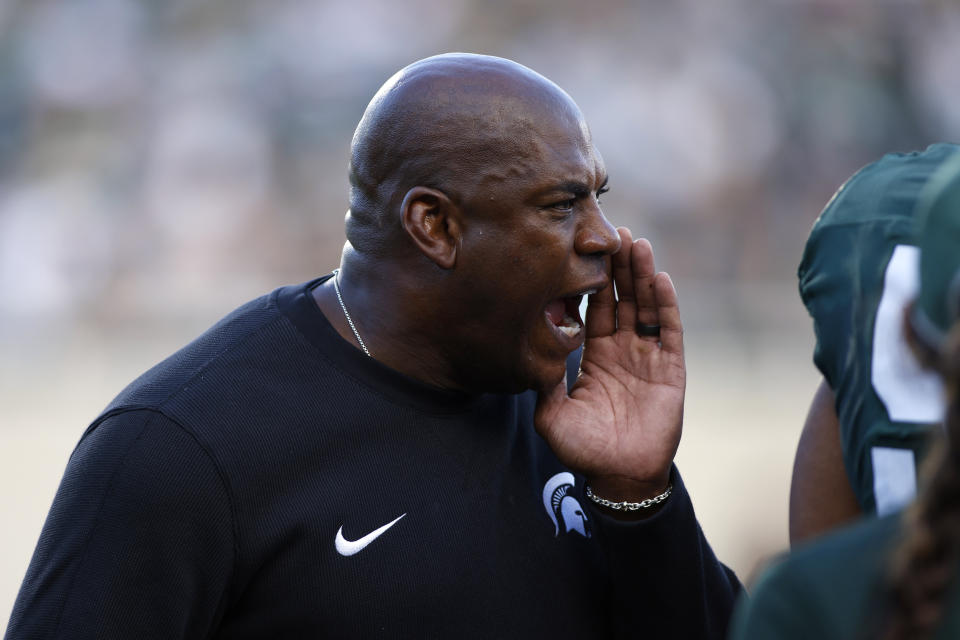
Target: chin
[
  {"x": 515, "y": 379},
  {"x": 546, "y": 376},
  {"x": 535, "y": 367}
]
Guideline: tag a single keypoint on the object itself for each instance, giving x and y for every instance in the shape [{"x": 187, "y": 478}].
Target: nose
[{"x": 596, "y": 236}]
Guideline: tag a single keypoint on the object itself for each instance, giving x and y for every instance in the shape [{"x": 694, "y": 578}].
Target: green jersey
[
  {"x": 858, "y": 272},
  {"x": 829, "y": 590}
]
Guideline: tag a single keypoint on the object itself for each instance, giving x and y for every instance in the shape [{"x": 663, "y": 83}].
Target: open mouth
[{"x": 564, "y": 314}]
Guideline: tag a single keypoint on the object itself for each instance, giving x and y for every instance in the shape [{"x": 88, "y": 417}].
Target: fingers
[
  {"x": 623, "y": 279},
  {"x": 601, "y": 316},
  {"x": 643, "y": 296},
  {"x": 645, "y": 306},
  {"x": 668, "y": 314}
]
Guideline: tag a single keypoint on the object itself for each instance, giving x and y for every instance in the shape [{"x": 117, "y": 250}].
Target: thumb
[{"x": 549, "y": 402}]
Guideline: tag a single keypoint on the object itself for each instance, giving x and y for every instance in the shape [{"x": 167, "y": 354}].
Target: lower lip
[{"x": 570, "y": 343}]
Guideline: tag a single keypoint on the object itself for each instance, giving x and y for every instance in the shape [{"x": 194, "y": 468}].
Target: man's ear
[{"x": 432, "y": 221}]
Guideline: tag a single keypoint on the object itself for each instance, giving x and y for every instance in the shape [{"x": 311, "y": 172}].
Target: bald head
[{"x": 445, "y": 123}]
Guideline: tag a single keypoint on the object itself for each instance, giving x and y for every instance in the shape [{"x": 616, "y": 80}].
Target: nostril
[{"x": 599, "y": 238}]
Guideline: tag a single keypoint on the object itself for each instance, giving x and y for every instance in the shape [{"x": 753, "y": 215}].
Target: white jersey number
[{"x": 909, "y": 392}]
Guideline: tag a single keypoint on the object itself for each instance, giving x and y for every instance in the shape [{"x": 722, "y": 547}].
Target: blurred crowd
[{"x": 162, "y": 159}]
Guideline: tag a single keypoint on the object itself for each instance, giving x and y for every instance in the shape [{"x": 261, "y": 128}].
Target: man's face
[{"x": 534, "y": 242}]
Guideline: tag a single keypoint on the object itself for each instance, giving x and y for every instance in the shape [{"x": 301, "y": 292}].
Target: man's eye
[
  {"x": 564, "y": 205},
  {"x": 600, "y": 192}
]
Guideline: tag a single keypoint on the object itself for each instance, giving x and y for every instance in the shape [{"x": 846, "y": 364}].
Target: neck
[
  {"x": 392, "y": 316},
  {"x": 346, "y": 312}
]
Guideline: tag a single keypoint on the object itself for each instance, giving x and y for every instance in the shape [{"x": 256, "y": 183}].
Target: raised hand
[{"x": 620, "y": 424}]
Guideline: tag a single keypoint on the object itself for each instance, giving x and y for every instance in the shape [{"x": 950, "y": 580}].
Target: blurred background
[{"x": 163, "y": 162}]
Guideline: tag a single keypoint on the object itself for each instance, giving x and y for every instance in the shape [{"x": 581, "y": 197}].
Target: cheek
[
  {"x": 535, "y": 268},
  {"x": 511, "y": 272}
]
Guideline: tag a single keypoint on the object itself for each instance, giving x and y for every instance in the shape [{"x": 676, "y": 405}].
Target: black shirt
[{"x": 269, "y": 480}]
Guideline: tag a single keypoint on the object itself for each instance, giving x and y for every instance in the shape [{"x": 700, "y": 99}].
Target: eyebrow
[{"x": 575, "y": 187}]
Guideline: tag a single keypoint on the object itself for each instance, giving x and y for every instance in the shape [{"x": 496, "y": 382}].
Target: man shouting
[{"x": 396, "y": 449}]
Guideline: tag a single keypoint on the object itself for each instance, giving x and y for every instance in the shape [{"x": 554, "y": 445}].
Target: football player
[
  {"x": 868, "y": 422},
  {"x": 892, "y": 577}
]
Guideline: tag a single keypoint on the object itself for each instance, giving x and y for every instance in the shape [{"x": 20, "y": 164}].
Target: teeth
[
  {"x": 570, "y": 331},
  {"x": 589, "y": 292},
  {"x": 570, "y": 325}
]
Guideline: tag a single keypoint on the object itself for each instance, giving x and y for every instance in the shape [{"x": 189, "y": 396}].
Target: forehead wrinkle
[
  {"x": 574, "y": 167},
  {"x": 547, "y": 162}
]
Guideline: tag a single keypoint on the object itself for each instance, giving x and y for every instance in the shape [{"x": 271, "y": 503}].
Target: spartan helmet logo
[{"x": 564, "y": 510}]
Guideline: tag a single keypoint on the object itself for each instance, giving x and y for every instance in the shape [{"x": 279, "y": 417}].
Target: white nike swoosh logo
[{"x": 349, "y": 547}]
